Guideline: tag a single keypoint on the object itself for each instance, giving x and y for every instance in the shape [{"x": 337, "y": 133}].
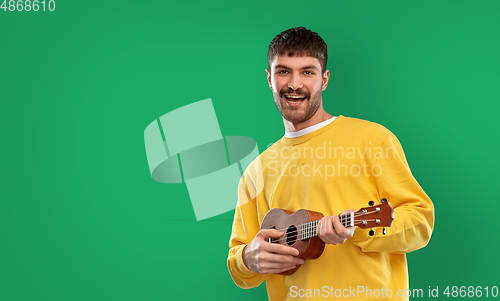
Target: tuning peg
[
  {"x": 371, "y": 203},
  {"x": 383, "y": 231},
  {"x": 384, "y": 200},
  {"x": 371, "y": 232}
]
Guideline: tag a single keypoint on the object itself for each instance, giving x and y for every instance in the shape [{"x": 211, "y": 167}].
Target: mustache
[{"x": 298, "y": 91}]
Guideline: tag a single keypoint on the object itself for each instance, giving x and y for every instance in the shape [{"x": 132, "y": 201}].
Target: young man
[{"x": 326, "y": 164}]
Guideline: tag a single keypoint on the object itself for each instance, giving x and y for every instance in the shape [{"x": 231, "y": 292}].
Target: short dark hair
[{"x": 298, "y": 41}]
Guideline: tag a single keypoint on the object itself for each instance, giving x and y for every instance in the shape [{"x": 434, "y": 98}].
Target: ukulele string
[
  {"x": 355, "y": 215},
  {"x": 277, "y": 240}
]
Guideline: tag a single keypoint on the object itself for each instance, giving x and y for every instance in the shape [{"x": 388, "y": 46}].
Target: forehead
[{"x": 295, "y": 62}]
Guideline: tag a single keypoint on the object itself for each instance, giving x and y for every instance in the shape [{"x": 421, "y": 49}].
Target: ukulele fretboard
[{"x": 309, "y": 229}]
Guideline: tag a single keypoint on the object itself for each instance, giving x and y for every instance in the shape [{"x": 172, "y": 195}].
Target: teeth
[{"x": 294, "y": 96}]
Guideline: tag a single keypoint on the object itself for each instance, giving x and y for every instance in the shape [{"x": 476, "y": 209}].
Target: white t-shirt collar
[{"x": 310, "y": 129}]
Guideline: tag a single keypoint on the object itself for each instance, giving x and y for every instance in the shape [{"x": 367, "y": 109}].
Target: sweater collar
[{"x": 310, "y": 134}]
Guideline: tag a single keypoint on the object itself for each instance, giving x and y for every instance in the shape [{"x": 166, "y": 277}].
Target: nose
[{"x": 295, "y": 82}]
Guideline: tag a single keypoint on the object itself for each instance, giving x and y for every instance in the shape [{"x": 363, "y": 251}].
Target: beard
[{"x": 301, "y": 113}]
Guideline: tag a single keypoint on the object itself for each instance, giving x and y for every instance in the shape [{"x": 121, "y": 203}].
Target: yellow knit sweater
[{"x": 341, "y": 166}]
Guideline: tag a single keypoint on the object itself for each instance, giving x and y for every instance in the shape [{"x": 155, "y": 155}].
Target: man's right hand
[{"x": 270, "y": 258}]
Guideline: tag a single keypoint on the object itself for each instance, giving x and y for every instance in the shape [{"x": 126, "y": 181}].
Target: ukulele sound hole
[{"x": 291, "y": 235}]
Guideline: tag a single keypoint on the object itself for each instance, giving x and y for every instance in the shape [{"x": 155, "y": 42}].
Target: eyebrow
[{"x": 303, "y": 68}]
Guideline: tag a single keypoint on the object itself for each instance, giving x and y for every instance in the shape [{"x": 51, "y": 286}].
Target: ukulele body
[{"x": 289, "y": 222}]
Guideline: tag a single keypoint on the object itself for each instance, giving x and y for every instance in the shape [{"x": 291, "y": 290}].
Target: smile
[{"x": 294, "y": 100}]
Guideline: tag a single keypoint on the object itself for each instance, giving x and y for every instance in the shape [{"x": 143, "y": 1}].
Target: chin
[{"x": 295, "y": 119}]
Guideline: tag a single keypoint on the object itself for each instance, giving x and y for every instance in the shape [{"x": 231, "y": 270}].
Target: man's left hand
[{"x": 335, "y": 236}]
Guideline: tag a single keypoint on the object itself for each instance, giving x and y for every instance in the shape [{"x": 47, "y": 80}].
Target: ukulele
[{"x": 300, "y": 227}]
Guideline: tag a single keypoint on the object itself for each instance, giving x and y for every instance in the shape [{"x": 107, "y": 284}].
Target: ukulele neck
[{"x": 310, "y": 229}]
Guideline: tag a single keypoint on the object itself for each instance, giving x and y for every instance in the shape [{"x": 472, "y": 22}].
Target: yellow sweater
[{"x": 341, "y": 166}]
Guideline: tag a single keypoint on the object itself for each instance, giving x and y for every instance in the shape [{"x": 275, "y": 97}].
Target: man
[{"x": 326, "y": 164}]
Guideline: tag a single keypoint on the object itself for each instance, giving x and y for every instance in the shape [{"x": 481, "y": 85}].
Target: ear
[
  {"x": 269, "y": 79},
  {"x": 326, "y": 77}
]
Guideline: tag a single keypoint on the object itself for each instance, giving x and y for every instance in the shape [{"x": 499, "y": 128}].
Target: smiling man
[{"x": 328, "y": 164}]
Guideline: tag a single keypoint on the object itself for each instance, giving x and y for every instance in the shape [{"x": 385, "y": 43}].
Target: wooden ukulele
[{"x": 300, "y": 227}]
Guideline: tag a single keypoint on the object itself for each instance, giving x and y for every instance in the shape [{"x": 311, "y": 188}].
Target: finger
[
  {"x": 280, "y": 259},
  {"x": 340, "y": 229},
  {"x": 332, "y": 229},
  {"x": 276, "y": 265},
  {"x": 322, "y": 233},
  {"x": 322, "y": 226},
  {"x": 329, "y": 226},
  {"x": 319, "y": 229},
  {"x": 279, "y": 249},
  {"x": 265, "y": 234}
]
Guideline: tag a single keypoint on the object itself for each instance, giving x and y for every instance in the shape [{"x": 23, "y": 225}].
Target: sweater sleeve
[
  {"x": 413, "y": 221},
  {"x": 245, "y": 227}
]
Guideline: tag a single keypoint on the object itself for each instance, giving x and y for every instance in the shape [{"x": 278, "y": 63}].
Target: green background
[{"x": 81, "y": 217}]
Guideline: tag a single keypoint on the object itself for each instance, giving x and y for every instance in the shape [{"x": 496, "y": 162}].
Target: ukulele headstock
[{"x": 375, "y": 216}]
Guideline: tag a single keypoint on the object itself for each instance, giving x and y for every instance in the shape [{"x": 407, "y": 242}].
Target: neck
[
  {"x": 318, "y": 117},
  {"x": 310, "y": 229}
]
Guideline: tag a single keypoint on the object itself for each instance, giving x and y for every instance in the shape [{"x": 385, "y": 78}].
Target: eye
[
  {"x": 308, "y": 72},
  {"x": 282, "y": 72}
]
